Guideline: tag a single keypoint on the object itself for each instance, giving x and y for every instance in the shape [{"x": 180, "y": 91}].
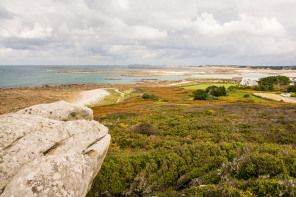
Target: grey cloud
[
  {"x": 5, "y": 14},
  {"x": 155, "y": 31}
]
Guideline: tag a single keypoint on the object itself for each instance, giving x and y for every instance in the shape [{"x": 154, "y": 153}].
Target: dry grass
[{"x": 275, "y": 97}]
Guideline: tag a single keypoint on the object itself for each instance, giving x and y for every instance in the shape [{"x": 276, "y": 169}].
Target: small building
[
  {"x": 293, "y": 81},
  {"x": 248, "y": 82}
]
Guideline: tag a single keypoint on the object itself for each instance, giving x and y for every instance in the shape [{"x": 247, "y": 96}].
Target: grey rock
[
  {"x": 59, "y": 111},
  {"x": 41, "y": 154}
]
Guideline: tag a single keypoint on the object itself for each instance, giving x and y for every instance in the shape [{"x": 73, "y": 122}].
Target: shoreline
[
  {"x": 126, "y": 77},
  {"x": 17, "y": 98},
  {"x": 13, "y": 99},
  {"x": 219, "y": 71}
]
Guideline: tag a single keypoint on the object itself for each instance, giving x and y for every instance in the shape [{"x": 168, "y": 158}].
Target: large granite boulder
[
  {"x": 47, "y": 153},
  {"x": 60, "y": 111}
]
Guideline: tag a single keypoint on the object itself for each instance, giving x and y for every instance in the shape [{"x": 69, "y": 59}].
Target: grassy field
[
  {"x": 205, "y": 85},
  {"x": 241, "y": 93},
  {"x": 181, "y": 147}
]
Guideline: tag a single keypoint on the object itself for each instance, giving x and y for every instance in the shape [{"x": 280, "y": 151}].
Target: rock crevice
[{"x": 50, "y": 150}]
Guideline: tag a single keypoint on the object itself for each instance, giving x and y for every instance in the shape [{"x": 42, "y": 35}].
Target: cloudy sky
[{"x": 170, "y": 32}]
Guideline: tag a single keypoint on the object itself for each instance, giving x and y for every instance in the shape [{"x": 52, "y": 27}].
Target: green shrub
[
  {"x": 143, "y": 128},
  {"x": 261, "y": 164},
  {"x": 246, "y": 96},
  {"x": 274, "y": 80},
  {"x": 262, "y": 187},
  {"x": 212, "y": 177},
  {"x": 292, "y": 88},
  {"x": 269, "y": 83},
  {"x": 150, "y": 96},
  {"x": 233, "y": 149},
  {"x": 231, "y": 88},
  {"x": 216, "y": 91},
  {"x": 220, "y": 191},
  {"x": 244, "y": 87},
  {"x": 211, "y": 93},
  {"x": 200, "y": 95},
  {"x": 263, "y": 87}
]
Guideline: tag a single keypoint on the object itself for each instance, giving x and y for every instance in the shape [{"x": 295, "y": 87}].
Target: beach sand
[
  {"x": 218, "y": 71},
  {"x": 90, "y": 97}
]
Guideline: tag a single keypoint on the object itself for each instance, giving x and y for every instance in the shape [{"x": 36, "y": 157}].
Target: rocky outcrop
[
  {"x": 59, "y": 111},
  {"x": 50, "y": 150}
]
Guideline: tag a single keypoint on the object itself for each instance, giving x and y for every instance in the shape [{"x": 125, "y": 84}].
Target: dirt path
[
  {"x": 275, "y": 97},
  {"x": 121, "y": 95}
]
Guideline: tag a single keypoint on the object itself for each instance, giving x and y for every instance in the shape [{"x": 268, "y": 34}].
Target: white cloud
[
  {"x": 37, "y": 31},
  {"x": 4, "y": 51},
  {"x": 123, "y": 3},
  {"x": 141, "y": 32},
  {"x": 257, "y": 26},
  {"x": 155, "y": 31}
]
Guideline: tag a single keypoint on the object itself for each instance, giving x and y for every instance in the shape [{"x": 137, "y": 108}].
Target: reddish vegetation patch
[
  {"x": 136, "y": 104},
  {"x": 168, "y": 96},
  {"x": 169, "y": 93}
]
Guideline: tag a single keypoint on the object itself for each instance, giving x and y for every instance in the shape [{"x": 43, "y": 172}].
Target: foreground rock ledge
[{"x": 50, "y": 150}]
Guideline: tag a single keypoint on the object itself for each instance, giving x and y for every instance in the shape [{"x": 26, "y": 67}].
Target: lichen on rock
[{"x": 44, "y": 151}]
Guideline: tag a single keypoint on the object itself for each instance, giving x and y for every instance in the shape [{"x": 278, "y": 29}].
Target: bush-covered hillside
[{"x": 178, "y": 147}]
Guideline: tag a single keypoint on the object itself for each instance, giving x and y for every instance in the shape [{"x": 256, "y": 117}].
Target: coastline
[
  {"x": 217, "y": 71},
  {"x": 12, "y": 77},
  {"x": 17, "y": 98}
]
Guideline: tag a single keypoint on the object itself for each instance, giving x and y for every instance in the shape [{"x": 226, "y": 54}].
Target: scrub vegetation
[
  {"x": 273, "y": 83},
  {"x": 235, "y": 146},
  {"x": 206, "y": 85}
]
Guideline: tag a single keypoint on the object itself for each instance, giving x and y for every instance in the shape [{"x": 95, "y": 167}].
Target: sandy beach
[
  {"x": 90, "y": 97},
  {"x": 138, "y": 73},
  {"x": 217, "y": 71}
]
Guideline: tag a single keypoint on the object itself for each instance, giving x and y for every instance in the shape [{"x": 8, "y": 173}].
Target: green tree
[
  {"x": 275, "y": 80},
  {"x": 268, "y": 83},
  {"x": 200, "y": 95},
  {"x": 292, "y": 88},
  {"x": 216, "y": 91}
]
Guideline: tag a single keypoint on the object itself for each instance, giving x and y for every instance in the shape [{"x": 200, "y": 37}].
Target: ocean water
[{"x": 17, "y": 76}]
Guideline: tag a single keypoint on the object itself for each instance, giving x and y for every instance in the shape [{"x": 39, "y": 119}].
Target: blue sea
[{"x": 18, "y": 76}]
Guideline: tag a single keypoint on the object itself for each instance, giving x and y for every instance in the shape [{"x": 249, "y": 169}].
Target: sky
[{"x": 156, "y": 32}]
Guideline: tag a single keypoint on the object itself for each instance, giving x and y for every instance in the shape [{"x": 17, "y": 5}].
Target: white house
[
  {"x": 248, "y": 82},
  {"x": 293, "y": 80}
]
